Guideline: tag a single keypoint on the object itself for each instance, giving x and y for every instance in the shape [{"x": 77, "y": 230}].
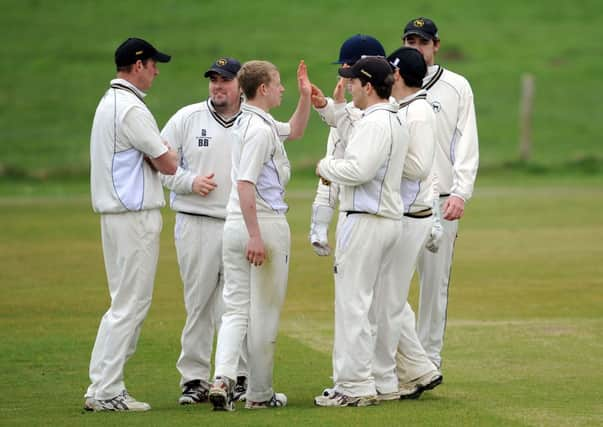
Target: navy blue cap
[
  {"x": 226, "y": 67},
  {"x": 374, "y": 69},
  {"x": 358, "y": 46},
  {"x": 134, "y": 49},
  {"x": 410, "y": 64},
  {"x": 422, "y": 27}
]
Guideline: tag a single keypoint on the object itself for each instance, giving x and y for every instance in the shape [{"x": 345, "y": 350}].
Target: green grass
[
  {"x": 58, "y": 61},
  {"x": 523, "y": 344}
]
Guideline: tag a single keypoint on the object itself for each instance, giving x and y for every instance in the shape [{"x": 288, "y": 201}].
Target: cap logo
[
  {"x": 139, "y": 52},
  {"x": 395, "y": 62},
  {"x": 369, "y": 75},
  {"x": 221, "y": 62},
  {"x": 419, "y": 23}
]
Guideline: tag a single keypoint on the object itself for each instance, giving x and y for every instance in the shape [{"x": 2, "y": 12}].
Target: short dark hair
[
  {"x": 384, "y": 91},
  {"x": 128, "y": 68}
]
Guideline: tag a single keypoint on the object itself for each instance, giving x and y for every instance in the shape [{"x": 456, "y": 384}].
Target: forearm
[
  {"x": 345, "y": 117},
  {"x": 299, "y": 119},
  {"x": 246, "y": 191},
  {"x": 327, "y": 113},
  {"x": 466, "y": 150},
  {"x": 180, "y": 183},
  {"x": 167, "y": 163},
  {"x": 344, "y": 171}
]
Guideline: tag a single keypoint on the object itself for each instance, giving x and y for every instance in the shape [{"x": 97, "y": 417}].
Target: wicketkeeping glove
[
  {"x": 319, "y": 229},
  {"x": 437, "y": 231}
]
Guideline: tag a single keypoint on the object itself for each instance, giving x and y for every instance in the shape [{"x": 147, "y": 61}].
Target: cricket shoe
[
  {"x": 394, "y": 395},
  {"x": 413, "y": 389},
  {"x": 221, "y": 394},
  {"x": 337, "y": 399},
  {"x": 89, "y": 403},
  {"x": 122, "y": 402},
  {"x": 328, "y": 392},
  {"x": 240, "y": 389},
  {"x": 195, "y": 391},
  {"x": 278, "y": 400}
]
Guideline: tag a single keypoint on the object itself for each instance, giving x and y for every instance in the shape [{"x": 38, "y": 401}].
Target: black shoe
[
  {"x": 195, "y": 391},
  {"x": 240, "y": 389},
  {"x": 414, "y": 389}
]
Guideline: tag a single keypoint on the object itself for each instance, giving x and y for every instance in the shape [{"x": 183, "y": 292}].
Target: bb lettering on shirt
[{"x": 203, "y": 140}]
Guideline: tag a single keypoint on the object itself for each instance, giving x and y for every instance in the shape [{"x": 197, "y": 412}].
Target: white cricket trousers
[
  {"x": 253, "y": 298},
  {"x": 414, "y": 235},
  {"x": 434, "y": 279},
  {"x": 131, "y": 250},
  {"x": 198, "y": 241},
  {"x": 366, "y": 267}
]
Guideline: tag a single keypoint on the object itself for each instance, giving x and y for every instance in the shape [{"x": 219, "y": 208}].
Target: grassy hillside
[{"x": 58, "y": 59}]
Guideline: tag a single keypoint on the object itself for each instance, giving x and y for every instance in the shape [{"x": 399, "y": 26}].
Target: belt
[
  {"x": 424, "y": 213},
  {"x": 201, "y": 215},
  {"x": 348, "y": 213}
]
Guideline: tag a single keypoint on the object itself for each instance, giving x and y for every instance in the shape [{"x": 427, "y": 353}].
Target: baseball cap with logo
[
  {"x": 358, "y": 46},
  {"x": 410, "y": 64},
  {"x": 226, "y": 67},
  {"x": 134, "y": 49},
  {"x": 422, "y": 27},
  {"x": 373, "y": 69}
]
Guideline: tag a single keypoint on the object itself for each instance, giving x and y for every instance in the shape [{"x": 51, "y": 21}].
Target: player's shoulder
[
  {"x": 455, "y": 79},
  {"x": 188, "y": 111},
  {"x": 419, "y": 109},
  {"x": 251, "y": 124},
  {"x": 261, "y": 121}
]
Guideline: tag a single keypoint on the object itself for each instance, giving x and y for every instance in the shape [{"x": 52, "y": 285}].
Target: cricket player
[
  {"x": 201, "y": 133},
  {"x": 455, "y": 165},
  {"x": 327, "y": 196},
  {"x": 126, "y": 153},
  {"x": 369, "y": 174},
  {"x": 418, "y": 162},
  {"x": 256, "y": 246},
  {"x": 416, "y": 373}
]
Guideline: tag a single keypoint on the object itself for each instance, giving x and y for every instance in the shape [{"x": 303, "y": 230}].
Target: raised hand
[
  {"x": 339, "y": 91},
  {"x": 319, "y": 100},
  {"x": 303, "y": 82}
]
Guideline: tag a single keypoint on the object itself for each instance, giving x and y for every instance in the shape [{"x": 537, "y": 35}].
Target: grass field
[
  {"x": 58, "y": 59},
  {"x": 523, "y": 344},
  {"x": 525, "y": 331}
]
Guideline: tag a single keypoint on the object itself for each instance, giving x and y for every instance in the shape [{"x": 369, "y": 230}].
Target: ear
[
  {"x": 369, "y": 88},
  {"x": 138, "y": 65},
  {"x": 436, "y": 45}
]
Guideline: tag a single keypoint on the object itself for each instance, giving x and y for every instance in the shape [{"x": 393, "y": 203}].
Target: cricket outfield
[{"x": 523, "y": 343}]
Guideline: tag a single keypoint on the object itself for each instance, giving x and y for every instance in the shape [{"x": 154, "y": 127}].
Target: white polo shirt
[
  {"x": 457, "y": 155},
  {"x": 417, "y": 182},
  {"x": 123, "y": 132},
  {"x": 259, "y": 157},
  {"x": 204, "y": 141},
  {"x": 371, "y": 168}
]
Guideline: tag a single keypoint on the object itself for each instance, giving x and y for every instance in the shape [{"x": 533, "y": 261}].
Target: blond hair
[{"x": 252, "y": 74}]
